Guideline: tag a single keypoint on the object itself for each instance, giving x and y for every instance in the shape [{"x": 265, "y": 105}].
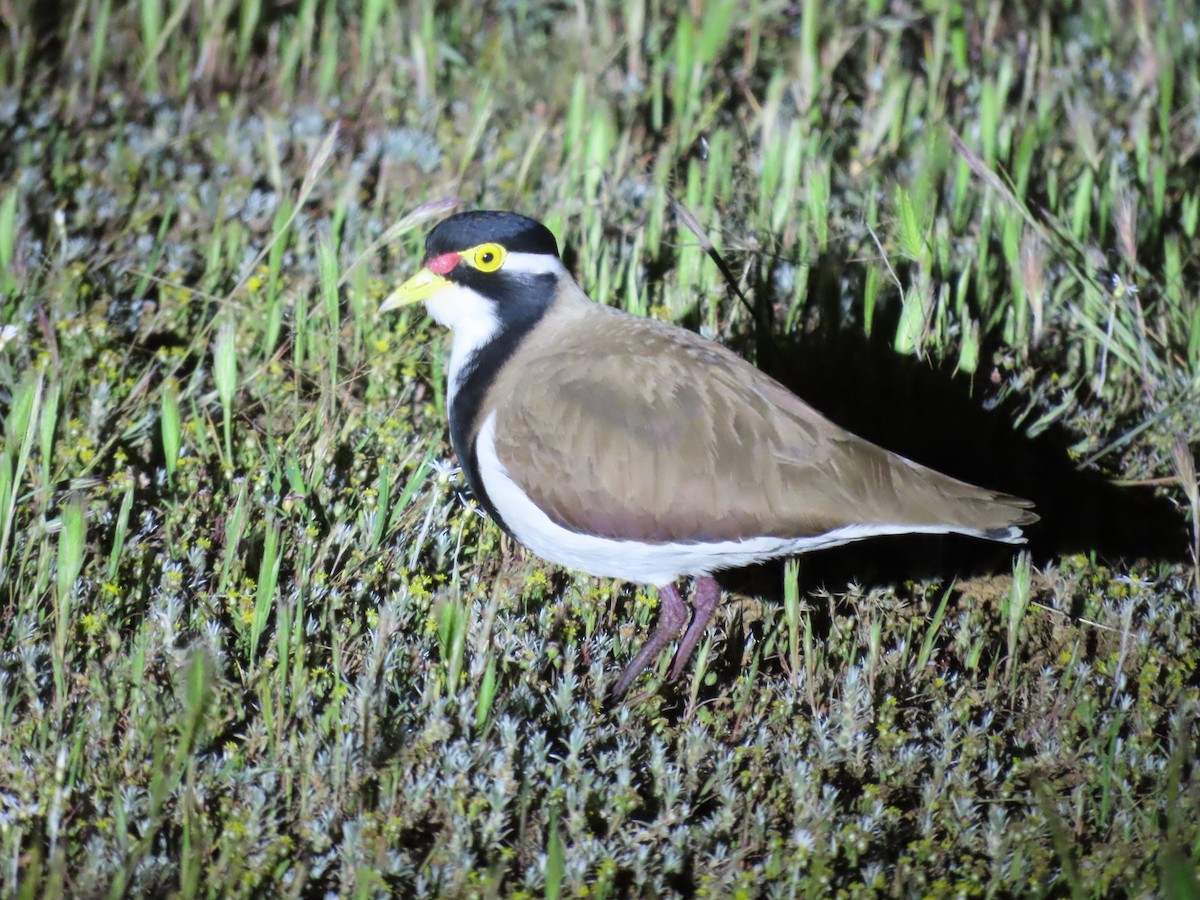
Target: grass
[{"x": 255, "y": 640}]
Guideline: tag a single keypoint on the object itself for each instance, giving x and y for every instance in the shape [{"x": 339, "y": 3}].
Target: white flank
[{"x": 646, "y": 563}]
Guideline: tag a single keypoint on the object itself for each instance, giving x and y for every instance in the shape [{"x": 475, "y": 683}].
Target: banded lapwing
[{"x": 630, "y": 448}]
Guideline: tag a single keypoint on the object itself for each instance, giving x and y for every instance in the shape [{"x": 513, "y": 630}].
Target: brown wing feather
[{"x": 628, "y": 428}]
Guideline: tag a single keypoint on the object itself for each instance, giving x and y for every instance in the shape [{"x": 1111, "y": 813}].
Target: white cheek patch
[{"x": 472, "y": 317}]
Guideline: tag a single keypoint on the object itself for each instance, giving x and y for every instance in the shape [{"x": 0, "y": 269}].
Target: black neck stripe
[{"x": 521, "y": 305}]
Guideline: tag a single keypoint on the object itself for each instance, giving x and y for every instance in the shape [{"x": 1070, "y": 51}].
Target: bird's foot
[
  {"x": 705, "y": 600},
  {"x": 671, "y": 619}
]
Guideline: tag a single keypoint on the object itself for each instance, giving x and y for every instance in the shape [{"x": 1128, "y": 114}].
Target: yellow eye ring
[{"x": 487, "y": 257}]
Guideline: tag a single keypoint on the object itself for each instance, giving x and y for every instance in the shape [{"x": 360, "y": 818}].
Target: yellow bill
[{"x": 420, "y": 287}]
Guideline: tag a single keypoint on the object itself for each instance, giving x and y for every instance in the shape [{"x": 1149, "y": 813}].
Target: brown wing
[{"x": 652, "y": 433}]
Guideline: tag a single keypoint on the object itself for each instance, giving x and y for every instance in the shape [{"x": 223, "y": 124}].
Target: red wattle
[{"x": 442, "y": 263}]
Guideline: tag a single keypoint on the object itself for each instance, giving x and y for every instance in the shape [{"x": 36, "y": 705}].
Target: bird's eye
[{"x": 488, "y": 257}]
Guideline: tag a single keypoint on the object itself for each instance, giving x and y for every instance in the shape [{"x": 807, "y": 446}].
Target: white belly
[{"x": 645, "y": 563}]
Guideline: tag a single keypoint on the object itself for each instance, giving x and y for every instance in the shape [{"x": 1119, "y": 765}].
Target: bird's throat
[{"x": 482, "y": 344}]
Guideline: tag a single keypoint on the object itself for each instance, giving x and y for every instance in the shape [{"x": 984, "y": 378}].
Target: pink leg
[
  {"x": 705, "y": 600},
  {"x": 671, "y": 618}
]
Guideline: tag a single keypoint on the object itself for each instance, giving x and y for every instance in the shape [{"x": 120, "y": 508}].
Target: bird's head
[{"x": 483, "y": 266}]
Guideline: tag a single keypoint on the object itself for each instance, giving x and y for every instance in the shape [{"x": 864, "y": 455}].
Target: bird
[{"x": 630, "y": 448}]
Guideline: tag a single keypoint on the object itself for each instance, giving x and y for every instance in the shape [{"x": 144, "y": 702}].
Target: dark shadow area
[
  {"x": 47, "y": 19},
  {"x": 932, "y": 416}
]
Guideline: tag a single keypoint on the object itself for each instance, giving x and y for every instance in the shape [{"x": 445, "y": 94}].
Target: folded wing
[{"x": 654, "y": 434}]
